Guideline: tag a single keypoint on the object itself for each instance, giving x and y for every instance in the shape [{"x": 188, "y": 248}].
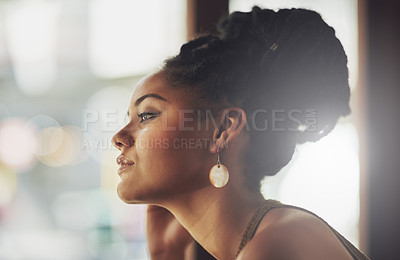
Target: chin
[
  {"x": 127, "y": 195},
  {"x": 131, "y": 195}
]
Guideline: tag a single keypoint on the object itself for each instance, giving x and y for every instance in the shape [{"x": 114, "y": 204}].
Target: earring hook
[{"x": 218, "y": 158}]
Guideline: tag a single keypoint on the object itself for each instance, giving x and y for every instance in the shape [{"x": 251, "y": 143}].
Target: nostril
[
  {"x": 122, "y": 139},
  {"x": 128, "y": 142}
]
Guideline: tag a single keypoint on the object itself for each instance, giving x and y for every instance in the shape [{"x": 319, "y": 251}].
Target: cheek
[
  {"x": 168, "y": 156},
  {"x": 160, "y": 149}
]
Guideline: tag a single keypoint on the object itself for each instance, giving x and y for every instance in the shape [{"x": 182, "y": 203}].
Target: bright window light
[
  {"x": 31, "y": 34},
  {"x": 133, "y": 37},
  {"x": 324, "y": 178}
]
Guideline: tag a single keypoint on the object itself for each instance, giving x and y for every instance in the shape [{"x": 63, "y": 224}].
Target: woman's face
[{"x": 165, "y": 147}]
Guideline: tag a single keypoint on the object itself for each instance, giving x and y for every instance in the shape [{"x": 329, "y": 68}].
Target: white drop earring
[{"x": 219, "y": 174}]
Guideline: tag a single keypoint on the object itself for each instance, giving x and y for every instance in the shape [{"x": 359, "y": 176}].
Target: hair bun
[{"x": 298, "y": 62}]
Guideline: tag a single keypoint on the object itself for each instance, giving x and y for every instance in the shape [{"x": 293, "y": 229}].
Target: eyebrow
[{"x": 139, "y": 100}]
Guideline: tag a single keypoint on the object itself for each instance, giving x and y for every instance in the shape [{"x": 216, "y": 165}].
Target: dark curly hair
[{"x": 287, "y": 63}]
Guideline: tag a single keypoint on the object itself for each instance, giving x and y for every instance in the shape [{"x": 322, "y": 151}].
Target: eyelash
[{"x": 142, "y": 115}]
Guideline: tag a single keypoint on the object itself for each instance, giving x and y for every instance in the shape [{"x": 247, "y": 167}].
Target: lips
[{"x": 124, "y": 163}]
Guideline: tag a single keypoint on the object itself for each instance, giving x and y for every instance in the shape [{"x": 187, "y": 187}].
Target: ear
[{"x": 230, "y": 124}]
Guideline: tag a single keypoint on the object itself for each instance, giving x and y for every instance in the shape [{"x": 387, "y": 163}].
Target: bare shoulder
[{"x": 287, "y": 233}]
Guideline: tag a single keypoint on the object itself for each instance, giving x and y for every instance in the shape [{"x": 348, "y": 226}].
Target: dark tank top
[{"x": 271, "y": 204}]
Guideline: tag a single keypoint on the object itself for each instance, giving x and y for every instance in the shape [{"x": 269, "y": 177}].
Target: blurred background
[{"x": 67, "y": 70}]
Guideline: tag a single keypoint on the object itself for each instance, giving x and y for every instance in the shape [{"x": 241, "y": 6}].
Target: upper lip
[{"x": 122, "y": 160}]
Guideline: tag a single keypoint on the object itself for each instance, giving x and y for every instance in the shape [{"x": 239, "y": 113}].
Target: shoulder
[{"x": 287, "y": 233}]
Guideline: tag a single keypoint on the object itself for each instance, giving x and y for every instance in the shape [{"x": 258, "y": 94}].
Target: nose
[{"x": 122, "y": 139}]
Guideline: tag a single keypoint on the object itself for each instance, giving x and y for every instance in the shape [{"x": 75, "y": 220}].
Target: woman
[{"x": 220, "y": 116}]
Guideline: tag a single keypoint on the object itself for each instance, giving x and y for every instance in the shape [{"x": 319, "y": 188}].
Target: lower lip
[{"x": 123, "y": 168}]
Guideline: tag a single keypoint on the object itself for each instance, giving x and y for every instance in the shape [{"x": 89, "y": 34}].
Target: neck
[{"x": 216, "y": 218}]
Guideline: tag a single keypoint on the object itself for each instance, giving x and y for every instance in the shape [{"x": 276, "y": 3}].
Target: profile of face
[{"x": 166, "y": 149}]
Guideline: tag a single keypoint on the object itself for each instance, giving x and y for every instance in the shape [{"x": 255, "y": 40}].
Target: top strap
[
  {"x": 255, "y": 221},
  {"x": 267, "y": 205}
]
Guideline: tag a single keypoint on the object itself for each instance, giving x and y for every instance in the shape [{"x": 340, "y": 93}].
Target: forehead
[
  {"x": 151, "y": 82},
  {"x": 157, "y": 84}
]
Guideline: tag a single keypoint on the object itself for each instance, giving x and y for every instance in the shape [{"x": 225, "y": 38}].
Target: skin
[{"x": 173, "y": 179}]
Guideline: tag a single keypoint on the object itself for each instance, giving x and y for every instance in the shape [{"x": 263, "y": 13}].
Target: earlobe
[{"x": 232, "y": 122}]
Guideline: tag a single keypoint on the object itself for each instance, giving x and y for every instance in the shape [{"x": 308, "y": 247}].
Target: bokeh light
[
  {"x": 8, "y": 185},
  {"x": 18, "y": 144},
  {"x": 65, "y": 144},
  {"x": 49, "y": 134}
]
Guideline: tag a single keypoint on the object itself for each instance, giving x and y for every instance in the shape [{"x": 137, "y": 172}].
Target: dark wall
[
  {"x": 203, "y": 15},
  {"x": 383, "y": 122}
]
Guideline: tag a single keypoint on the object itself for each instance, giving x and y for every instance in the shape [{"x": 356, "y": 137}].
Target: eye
[{"x": 146, "y": 116}]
